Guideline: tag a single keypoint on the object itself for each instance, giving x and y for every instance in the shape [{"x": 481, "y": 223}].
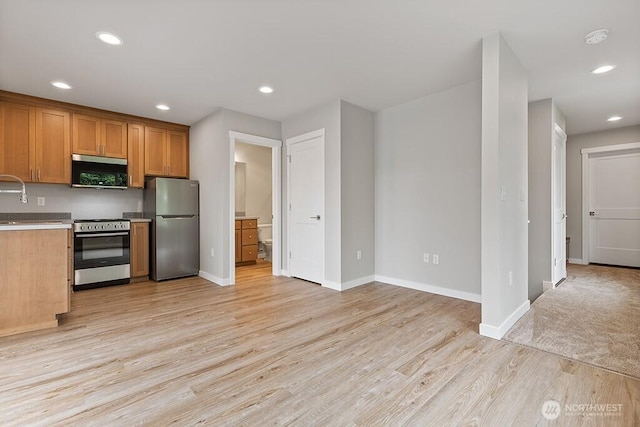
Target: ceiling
[{"x": 199, "y": 56}]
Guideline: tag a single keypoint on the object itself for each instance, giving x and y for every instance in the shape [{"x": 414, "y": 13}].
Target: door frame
[
  {"x": 276, "y": 197},
  {"x": 586, "y": 154},
  {"x": 558, "y": 132},
  {"x": 319, "y": 133}
]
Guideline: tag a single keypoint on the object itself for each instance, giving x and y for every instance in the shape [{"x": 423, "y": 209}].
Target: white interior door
[
  {"x": 559, "y": 267},
  {"x": 306, "y": 209},
  {"x": 614, "y": 209}
]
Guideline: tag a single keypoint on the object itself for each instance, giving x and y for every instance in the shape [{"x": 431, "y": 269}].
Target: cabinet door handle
[
  {"x": 130, "y": 179},
  {"x": 38, "y": 174},
  {"x": 31, "y": 173}
]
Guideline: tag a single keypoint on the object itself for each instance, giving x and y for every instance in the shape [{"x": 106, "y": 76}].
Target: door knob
[
  {"x": 592, "y": 213},
  {"x": 315, "y": 217}
]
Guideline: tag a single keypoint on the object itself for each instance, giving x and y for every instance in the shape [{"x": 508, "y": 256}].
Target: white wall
[
  {"x": 542, "y": 117},
  {"x": 258, "y": 180},
  {"x": 504, "y": 187},
  {"x": 427, "y": 192},
  {"x": 357, "y": 192},
  {"x": 327, "y": 117},
  {"x": 575, "y": 143},
  {"x": 209, "y": 158},
  {"x": 83, "y": 203}
]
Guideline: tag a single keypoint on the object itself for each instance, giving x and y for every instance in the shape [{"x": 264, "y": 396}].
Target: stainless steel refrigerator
[{"x": 172, "y": 206}]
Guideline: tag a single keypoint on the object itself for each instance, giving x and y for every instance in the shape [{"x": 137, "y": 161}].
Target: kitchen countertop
[
  {"x": 17, "y": 226},
  {"x": 139, "y": 219},
  {"x": 239, "y": 218}
]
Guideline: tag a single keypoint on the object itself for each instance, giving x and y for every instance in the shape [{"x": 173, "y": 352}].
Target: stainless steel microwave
[{"x": 98, "y": 172}]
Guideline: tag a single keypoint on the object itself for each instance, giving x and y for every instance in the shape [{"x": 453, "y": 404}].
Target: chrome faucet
[{"x": 23, "y": 193}]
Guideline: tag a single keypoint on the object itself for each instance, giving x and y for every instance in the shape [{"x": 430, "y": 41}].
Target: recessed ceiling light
[
  {"x": 596, "y": 36},
  {"x": 162, "y": 107},
  {"x": 109, "y": 38},
  {"x": 614, "y": 118},
  {"x": 266, "y": 89},
  {"x": 61, "y": 85},
  {"x": 603, "y": 69}
]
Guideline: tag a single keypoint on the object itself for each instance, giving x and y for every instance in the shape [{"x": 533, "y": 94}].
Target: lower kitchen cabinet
[
  {"x": 139, "y": 249},
  {"x": 34, "y": 279}
]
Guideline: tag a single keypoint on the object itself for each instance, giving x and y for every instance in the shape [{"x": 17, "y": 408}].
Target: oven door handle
[{"x": 101, "y": 234}]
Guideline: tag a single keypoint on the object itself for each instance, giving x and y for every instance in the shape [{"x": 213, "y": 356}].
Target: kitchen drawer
[
  {"x": 249, "y": 223},
  {"x": 249, "y": 253},
  {"x": 238, "y": 224},
  {"x": 250, "y": 237}
]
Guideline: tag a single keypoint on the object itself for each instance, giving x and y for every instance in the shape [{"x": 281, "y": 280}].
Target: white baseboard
[
  {"x": 331, "y": 285},
  {"x": 467, "y": 296},
  {"x": 215, "y": 279},
  {"x": 499, "y": 331},
  {"x": 577, "y": 261},
  {"x": 547, "y": 286},
  {"x": 285, "y": 273},
  {"x": 357, "y": 282}
]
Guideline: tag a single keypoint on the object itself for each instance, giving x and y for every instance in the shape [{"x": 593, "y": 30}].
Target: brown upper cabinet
[
  {"x": 99, "y": 137},
  {"x": 135, "y": 159},
  {"x": 166, "y": 153},
  {"x": 35, "y": 143}
]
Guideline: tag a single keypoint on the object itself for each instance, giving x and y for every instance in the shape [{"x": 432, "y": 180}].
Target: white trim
[
  {"x": 579, "y": 261},
  {"x": 276, "y": 183},
  {"x": 285, "y": 273},
  {"x": 305, "y": 137},
  {"x": 357, "y": 282},
  {"x": 467, "y": 296},
  {"x": 498, "y": 332},
  {"x": 608, "y": 148},
  {"x": 319, "y": 133},
  {"x": 348, "y": 285},
  {"x": 586, "y": 152},
  {"x": 215, "y": 279},
  {"x": 546, "y": 286},
  {"x": 335, "y": 286}
]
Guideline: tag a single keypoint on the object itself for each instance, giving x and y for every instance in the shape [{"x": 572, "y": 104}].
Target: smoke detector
[{"x": 597, "y": 36}]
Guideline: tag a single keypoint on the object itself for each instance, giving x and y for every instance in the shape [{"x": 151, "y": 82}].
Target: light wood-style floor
[{"x": 279, "y": 351}]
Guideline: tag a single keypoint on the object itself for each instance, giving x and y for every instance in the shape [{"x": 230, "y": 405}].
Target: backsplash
[{"x": 81, "y": 203}]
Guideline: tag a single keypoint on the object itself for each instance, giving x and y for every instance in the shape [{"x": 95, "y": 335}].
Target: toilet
[{"x": 265, "y": 241}]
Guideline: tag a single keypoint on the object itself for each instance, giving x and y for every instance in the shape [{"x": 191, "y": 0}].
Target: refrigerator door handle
[{"x": 177, "y": 216}]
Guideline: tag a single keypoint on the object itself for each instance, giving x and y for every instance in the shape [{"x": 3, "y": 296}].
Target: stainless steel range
[{"x": 101, "y": 252}]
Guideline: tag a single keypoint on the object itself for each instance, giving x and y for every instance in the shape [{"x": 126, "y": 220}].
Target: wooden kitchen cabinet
[
  {"x": 135, "y": 157},
  {"x": 139, "y": 249},
  {"x": 247, "y": 241},
  {"x": 17, "y": 140},
  {"x": 52, "y": 163},
  {"x": 34, "y": 279},
  {"x": 166, "y": 153},
  {"x": 99, "y": 137},
  {"x": 35, "y": 144}
]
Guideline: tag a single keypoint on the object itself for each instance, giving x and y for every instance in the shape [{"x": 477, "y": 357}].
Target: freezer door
[
  {"x": 176, "y": 196},
  {"x": 176, "y": 248}
]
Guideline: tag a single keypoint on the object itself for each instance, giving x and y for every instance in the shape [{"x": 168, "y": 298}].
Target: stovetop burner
[
  {"x": 87, "y": 225},
  {"x": 102, "y": 220}
]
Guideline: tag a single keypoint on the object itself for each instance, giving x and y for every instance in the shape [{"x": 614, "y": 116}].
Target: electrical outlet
[
  {"x": 358, "y": 254},
  {"x": 436, "y": 258},
  {"x": 511, "y": 278},
  {"x": 41, "y": 201},
  {"x": 212, "y": 253},
  {"x": 425, "y": 258}
]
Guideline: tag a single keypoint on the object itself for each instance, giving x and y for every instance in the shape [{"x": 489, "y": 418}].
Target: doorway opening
[{"x": 254, "y": 201}]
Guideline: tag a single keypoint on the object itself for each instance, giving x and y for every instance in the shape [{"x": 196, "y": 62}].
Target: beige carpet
[{"x": 592, "y": 317}]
